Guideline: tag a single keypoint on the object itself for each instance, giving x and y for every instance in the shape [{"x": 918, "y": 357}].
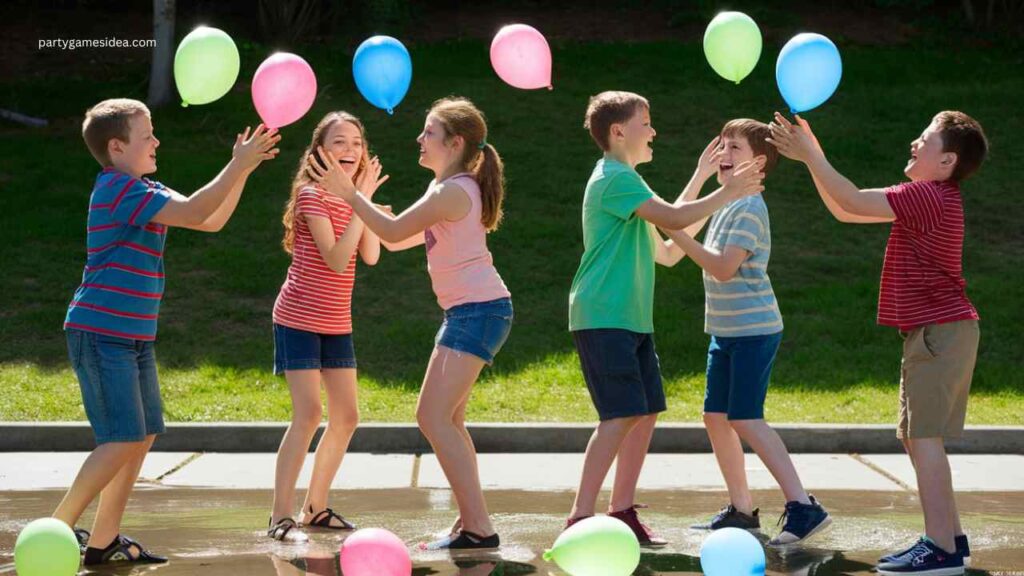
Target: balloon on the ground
[
  {"x": 205, "y": 65},
  {"x": 383, "y": 71},
  {"x": 283, "y": 89},
  {"x": 374, "y": 552},
  {"x": 46, "y": 547},
  {"x": 808, "y": 71},
  {"x": 732, "y": 552},
  {"x": 732, "y": 45},
  {"x": 521, "y": 57},
  {"x": 597, "y": 546}
]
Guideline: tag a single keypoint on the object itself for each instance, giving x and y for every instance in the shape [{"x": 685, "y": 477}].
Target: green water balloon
[
  {"x": 732, "y": 45},
  {"x": 205, "y": 65}
]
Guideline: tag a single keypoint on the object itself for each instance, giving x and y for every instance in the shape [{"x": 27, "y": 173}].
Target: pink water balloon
[
  {"x": 283, "y": 89},
  {"x": 374, "y": 552},
  {"x": 521, "y": 56}
]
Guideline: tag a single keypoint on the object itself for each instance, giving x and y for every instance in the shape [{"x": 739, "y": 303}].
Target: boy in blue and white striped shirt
[{"x": 743, "y": 319}]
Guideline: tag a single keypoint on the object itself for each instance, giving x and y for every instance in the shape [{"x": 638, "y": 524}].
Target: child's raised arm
[
  {"x": 210, "y": 207},
  {"x": 842, "y": 198},
  {"x": 746, "y": 181}
]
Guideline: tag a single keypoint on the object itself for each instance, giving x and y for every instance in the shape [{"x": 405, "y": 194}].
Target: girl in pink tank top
[{"x": 452, "y": 218}]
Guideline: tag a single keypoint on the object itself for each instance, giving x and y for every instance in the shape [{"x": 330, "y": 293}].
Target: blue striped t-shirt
[
  {"x": 744, "y": 305},
  {"x": 123, "y": 280}
]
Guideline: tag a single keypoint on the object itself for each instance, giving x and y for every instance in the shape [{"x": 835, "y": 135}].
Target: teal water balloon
[
  {"x": 732, "y": 552},
  {"x": 383, "y": 71}
]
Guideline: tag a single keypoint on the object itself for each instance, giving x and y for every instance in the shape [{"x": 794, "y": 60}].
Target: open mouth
[
  {"x": 347, "y": 160},
  {"x": 725, "y": 167}
]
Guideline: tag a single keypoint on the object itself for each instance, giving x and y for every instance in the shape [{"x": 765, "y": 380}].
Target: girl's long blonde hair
[{"x": 302, "y": 179}]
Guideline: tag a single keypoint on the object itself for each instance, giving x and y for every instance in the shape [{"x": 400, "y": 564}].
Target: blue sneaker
[
  {"x": 925, "y": 559},
  {"x": 963, "y": 548},
  {"x": 802, "y": 522}
]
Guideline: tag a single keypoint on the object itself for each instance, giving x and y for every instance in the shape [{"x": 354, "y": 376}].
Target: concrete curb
[{"x": 498, "y": 438}]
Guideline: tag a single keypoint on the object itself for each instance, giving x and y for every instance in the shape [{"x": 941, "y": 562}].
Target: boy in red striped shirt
[{"x": 922, "y": 294}]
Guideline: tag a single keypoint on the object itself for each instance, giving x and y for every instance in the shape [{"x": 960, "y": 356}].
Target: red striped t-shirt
[
  {"x": 922, "y": 278},
  {"x": 315, "y": 298}
]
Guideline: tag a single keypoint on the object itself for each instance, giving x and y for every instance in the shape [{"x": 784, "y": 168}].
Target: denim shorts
[
  {"x": 296, "y": 349},
  {"x": 477, "y": 328},
  {"x": 739, "y": 369},
  {"x": 119, "y": 386},
  {"x": 622, "y": 372}
]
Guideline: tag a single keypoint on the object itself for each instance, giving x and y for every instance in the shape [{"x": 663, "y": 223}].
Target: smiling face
[
  {"x": 435, "y": 153},
  {"x": 927, "y": 160},
  {"x": 137, "y": 156},
  {"x": 635, "y": 138},
  {"x": 735, "y": 151},
  {"x": 345, "y": 140}
]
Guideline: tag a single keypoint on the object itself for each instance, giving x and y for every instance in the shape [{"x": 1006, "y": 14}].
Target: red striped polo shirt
[
  {"x": 922, "y": 278},
  {"x": 315, "y": 298}
]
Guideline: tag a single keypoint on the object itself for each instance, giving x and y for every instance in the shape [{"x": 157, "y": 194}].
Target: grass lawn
[{"x": 216, "y": 347}]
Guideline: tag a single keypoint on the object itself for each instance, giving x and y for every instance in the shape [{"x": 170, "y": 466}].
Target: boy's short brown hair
[
  {"x": 755, "y": 132},
  {"x": 611, "y": 107},
  {"x": 962, "y": 135},
  {"x": 106, "y": 120}
]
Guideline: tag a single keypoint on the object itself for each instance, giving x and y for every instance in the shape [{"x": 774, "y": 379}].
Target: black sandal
[
  {"x": 324, "y": 517},
  {"x": 283, "y": 527},
  {"x": 120, "y": 551}
]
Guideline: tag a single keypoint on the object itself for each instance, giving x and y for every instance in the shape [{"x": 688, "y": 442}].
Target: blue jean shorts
[
  {"x": 296, "y": 349},
  {"x": 739, "y": 369},
  {"x": 477, "y": 328},
  {"x": 119, "y": 386},
  {"x": 622, "y": 372}
]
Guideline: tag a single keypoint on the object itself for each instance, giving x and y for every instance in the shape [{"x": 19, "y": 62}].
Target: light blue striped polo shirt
[{"x": 745, "y": 305}]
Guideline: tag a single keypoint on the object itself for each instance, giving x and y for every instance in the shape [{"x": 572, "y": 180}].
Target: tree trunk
[
  {"x": 160, "y": 90},
  {"x": 969, "y": 12}
]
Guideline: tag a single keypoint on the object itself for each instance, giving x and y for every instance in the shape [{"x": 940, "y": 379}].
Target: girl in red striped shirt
[{"x": 313, "y": 324}]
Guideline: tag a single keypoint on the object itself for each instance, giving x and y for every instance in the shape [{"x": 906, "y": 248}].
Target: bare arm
[
  {"x": 666, "y": 252},
  {"x": 843, "y": 199},
  {"x": 369, "y": 247},
  {"x": 746, "y": 181},
  {"x": 721, "y": 265},
  {"x": 336, "y": 253},
  {"x": 201, "y": 210}
]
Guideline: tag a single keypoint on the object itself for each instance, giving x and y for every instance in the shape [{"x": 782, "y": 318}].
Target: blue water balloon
[
  {"x": 808, "y": 71},
  {"x": 383, "y": 71},
  {"x": 732, "y": 552}
]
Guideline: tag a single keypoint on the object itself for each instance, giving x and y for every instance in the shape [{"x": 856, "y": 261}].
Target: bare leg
[
  {"x": 766, "y": 442},
  {"x": 731, "y": 461},
  {"x": 98, "y": 470},
  {"x": 935, "y": 487},
  {"x": 306, "y": 413},
  {"x": 601, "y": 451},
  {"x": 342, "y": 419},
  {"x": 114, "y": 498},
  {"x": 629, "y": 462},
  {"x": 450, "y": 375}
]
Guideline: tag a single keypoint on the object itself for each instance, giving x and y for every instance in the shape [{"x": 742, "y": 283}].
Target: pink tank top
[{"x": 460, "y": 265}]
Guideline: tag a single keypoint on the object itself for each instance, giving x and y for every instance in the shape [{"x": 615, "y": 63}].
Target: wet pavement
[{"x": 221, "y": 531}]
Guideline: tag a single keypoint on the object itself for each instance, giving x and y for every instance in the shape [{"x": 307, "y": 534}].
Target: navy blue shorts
[
  {"x": 119, "y": 386},
  {"x": 477, "y": 328},
  {"x": 296, "y": 349},
  {"x": 739, "y": 369},
  {"x": 622, "y": 372}
]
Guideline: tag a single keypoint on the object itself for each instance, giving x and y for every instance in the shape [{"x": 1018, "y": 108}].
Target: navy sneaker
[
  {"x": 963, "y": 548},
  {"x": 730, "y": 517},
  {"x": 802, "y": 522},
  {"x": 925, "y": 558}
]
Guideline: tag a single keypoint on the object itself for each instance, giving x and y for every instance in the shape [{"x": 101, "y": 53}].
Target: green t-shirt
[{"x": 614, "y": 285}]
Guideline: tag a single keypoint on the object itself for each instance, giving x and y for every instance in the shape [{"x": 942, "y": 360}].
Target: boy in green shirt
[{"x": 611, "y": 304}]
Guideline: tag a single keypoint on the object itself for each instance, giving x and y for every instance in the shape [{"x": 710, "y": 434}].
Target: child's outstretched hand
[
  {"x": 707, "y": 165},
  {"x": 747, "y": 179},
  {"x": 795, "y": 142},
  {"x": 331, "y": 176},
  {"x": 371, "y": 179},
  {"x": 251, "y": 150}
]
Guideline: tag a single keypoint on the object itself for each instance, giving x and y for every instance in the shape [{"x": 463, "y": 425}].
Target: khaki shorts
[{"x": 938, "y": 362}]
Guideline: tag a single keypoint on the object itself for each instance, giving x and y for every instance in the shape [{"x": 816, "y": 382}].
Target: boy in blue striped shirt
[
  {"x": 743, "y": 319},
  {"x": 112, "y": 319}
]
